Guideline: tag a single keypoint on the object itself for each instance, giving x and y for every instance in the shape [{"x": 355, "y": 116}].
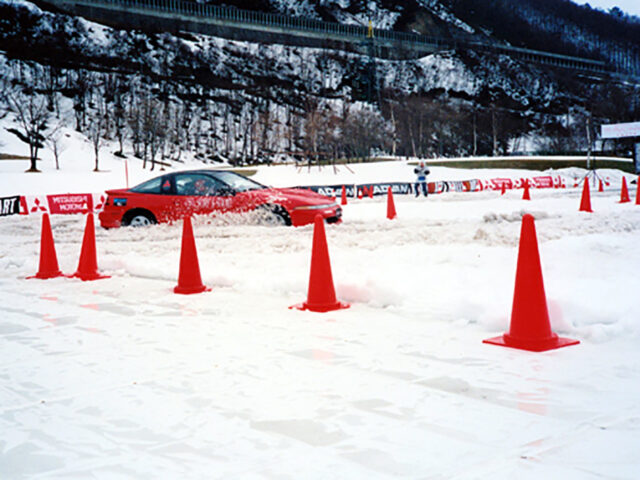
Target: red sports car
[{"x": 174, "y": 195}]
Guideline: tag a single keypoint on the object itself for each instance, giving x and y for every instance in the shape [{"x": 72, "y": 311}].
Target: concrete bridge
[{"x": 236, "y": 24}]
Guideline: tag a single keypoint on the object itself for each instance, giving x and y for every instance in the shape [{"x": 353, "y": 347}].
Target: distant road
[{"x": 181, "y": 15}]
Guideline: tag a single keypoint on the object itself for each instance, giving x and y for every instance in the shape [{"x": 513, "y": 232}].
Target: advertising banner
[
  {"x": 400, "y": 188},
  {"x": 621, "y": 130},
  {"x": 456, "y": 186},
  {"x": 9, "y": 205},
  {"x": 98, "y": 201},
  {"x": 558, "y": 182},
  {"x": 497, "y": 183},
  {"x": 331, "y": 190},
  {"x": 67, "y": 203},
  {"x": 543, "y": 182},
  {"x": 70, "y": 203},
  {"x": 35, "y": 204}
]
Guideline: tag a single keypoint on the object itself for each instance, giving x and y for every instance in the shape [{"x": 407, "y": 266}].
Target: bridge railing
[{"x": 349, "y": 33}]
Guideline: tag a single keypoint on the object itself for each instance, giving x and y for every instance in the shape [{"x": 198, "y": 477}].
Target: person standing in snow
[{"x": 421, "y": 172}]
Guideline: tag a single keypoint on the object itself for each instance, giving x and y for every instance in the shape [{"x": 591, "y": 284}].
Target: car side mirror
[{"x": 225, "y": 192}]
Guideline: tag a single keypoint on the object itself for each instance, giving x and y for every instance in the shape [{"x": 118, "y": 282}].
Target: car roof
[{"x": 201, "y": 170}]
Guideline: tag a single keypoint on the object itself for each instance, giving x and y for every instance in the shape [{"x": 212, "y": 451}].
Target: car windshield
[{"x": 238, "y": 182}]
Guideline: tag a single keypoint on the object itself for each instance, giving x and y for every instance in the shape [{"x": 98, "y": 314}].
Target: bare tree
[
  {"x": 96, "y": 135},
  {"x": 120, "y": 124},
  {"x": 134, "y": 121},
  {"x": 31, "y": 113},
  {"x": 178, "y": 133},
  {"x": 394, "y": 127},
  {"x": 185, "y": 127},
  {"x": 157, "y": 135},
  {"x": 226, "y": 130},
  {"x": 494, "y": 130},
  {"x": 475, "y": 133},
  {"x": 292, "y": 129},
  {"x": 82, "y": 86},
  {"x": 51, "y": 80},
  {"x": 133, "y": 113},
  {"x": 174, "y": 131},
  {"x": 197, "y": 131},
  {"x": 211, "y": 112},
  {"x": 247, "y": 128},
  {"x": 54, "y": 140},
  {"x": 312, "y": 129},
  {"x": 154, "y": 126},
  {"x": 364, "y": 131}
]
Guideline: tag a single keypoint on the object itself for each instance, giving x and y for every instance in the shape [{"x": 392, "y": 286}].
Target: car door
[
  {"x": 155, "y": 195},
  {"x": 198, "y": 193}
]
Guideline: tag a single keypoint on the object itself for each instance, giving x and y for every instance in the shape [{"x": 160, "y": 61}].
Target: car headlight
[{"x": 316, "y": 207}]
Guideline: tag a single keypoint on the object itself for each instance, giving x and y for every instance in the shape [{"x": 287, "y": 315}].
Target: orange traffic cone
[
  {"x": 343, "y": 200},
  {"x": 360, "y": 193},
  {"x": 189, "y": 280},
  {"x": 321, "y": 296},
  {"x": 638, "y": 191},
  {"x": 585, "y": 201},
  {"x": 530, "y": 328},
  {"x": 391, "y": 206},
  {"x": 48, "y": 259},
  {"x": 525, "y": 193},
  {"x": 624, "y": 193},
  {"x": 88, "y": 264},
  {"x": 600, "y": 186}
]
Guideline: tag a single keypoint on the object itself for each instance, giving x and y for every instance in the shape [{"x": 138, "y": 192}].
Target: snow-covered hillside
[{"x": 169, "y": 97}]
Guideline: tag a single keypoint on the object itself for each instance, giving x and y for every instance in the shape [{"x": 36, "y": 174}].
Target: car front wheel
[{"x": 274, "y": 215}]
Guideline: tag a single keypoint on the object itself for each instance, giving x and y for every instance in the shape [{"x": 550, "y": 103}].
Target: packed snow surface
[{"x": 121, "y": 378}]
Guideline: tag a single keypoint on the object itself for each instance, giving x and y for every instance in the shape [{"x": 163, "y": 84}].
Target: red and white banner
[
  {"x": 474, "y": 185},
  {"x": 543, "y": 182},
  {"x": 547, "y": 181},
  {"x": 67, "y": 203},
  {"x": 76, "y": 203},
  {"x": 497, "y": 183}
]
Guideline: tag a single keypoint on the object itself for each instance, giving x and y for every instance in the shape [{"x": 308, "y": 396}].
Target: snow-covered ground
[{"x": 120, "y": 378}]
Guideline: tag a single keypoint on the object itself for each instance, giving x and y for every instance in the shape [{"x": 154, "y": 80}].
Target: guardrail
[{"x": 238, "y": 18}]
